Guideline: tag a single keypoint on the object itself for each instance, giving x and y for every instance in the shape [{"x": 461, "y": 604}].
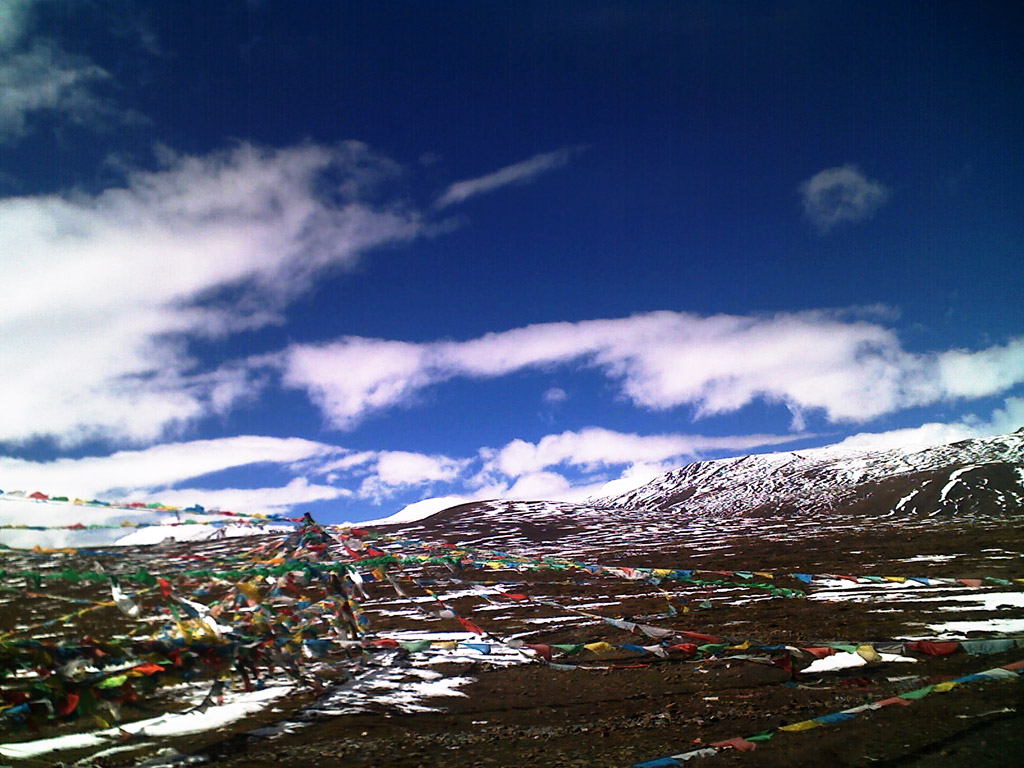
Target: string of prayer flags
[{"x": 1008, "y": 672}]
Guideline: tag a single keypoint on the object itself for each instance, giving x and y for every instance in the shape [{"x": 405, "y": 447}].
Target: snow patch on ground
[
  {"x": 240, "y": 706},
  {"x": 188, "y": 532},
  {"x": 959, "y": 629},
  {"x": 929, "y": 558},
  {"x": 419, "y": 510},
  {"x": 845, "y": 660},
  {"x": 988, "y": 602}
]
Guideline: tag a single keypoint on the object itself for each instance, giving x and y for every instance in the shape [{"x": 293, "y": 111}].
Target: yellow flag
[
  {"x": 599, "y": 647},
  {"x": 868, "y": 653},
  {"x": 249, "y": 590},
  {"x": 803, "y": 725}
]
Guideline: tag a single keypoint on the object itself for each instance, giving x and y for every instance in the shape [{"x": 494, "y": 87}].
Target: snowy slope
[
  {"x": 777, "y": 496},
  {"x": 978, "y": 476}
]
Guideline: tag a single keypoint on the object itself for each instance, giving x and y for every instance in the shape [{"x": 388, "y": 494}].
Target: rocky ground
[
  {"x": 536, "y": 716},
  {"x": 618, "y": 709}
]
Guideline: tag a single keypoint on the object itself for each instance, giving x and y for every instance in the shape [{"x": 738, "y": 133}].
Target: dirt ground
[{"x": 624, "y": 710}]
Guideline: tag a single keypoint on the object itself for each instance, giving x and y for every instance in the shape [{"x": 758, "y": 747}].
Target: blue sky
[{"x": 352, "y": 256}]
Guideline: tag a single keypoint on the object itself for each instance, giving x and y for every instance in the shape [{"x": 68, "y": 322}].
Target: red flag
[
  {"x": 690, "y": 649},
  {"x": 934, "y": 649},
  {"x": 165, "y": 586},
  {"x": 699, "y": 636},
  {"x": 893, "y": 700},
  {"x": 784, "y": 662},
  {"x": 469, "y": 626},
  {"x": 736, "y": 742},
  {"x": 544, "y": 651},
  {"x": 70, "y": 702},
  {"x": 147, "y": 669}
]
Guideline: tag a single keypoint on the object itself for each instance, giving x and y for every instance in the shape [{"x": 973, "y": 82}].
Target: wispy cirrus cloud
[
  {"x": 112, "y": 287},
  {"x": 145, "y": 471},
  {"x": 840, "y": 195},
  {"x": 44, "y": 79},
  {"x": 519, "y": 173},
  {"x": 39, "y": 77},
  {"x": 117, "y": 286},
  {"x": 173, "y": 473},
  {"x": 848, "y": 366}
]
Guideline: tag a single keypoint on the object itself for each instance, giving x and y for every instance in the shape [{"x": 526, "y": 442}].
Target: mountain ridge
[{"x": 785, "y": 495}]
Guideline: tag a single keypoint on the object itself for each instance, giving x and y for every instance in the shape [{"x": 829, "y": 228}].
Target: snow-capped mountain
[
  {"x": 983, "y": 475},
  {"x": 776, "y": 496}
]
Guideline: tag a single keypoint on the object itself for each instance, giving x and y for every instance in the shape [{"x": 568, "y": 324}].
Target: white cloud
[
  {"x": 520, "y": 173},
  {"x": 396, "y": 470},
  {"x": 104, "y": 292},
  {"x": 1003, "y": 420},
  {"x": 525, "y": 470},
  {"x": 1007, "y": 419},
  {"x": 846, "y": 367},
  {"x": 14, "y": 16},
  {"x": 841, "y": 194},
  {"x": 348, "y": 462},
  {"x": 555, "y": 395},
  {"x": 126, "y": 472},
  {"x": 265, "y": 501},
  {"x": 595, "y": 448},
  {"x": 909, "y": 438},
  {"x": 979, "y": 374},
  {"x": 634, "y": 477},
  {"x": 129, "y": 476},
  {"x": 545, "y": 486},
  {"x": 378, "y": 475},
  {"x": 37, "y": 76},
  {"x": 45, "y": 79},
  {"x": 406, "y": 468},
  {"x": 354, "y": 376}
]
